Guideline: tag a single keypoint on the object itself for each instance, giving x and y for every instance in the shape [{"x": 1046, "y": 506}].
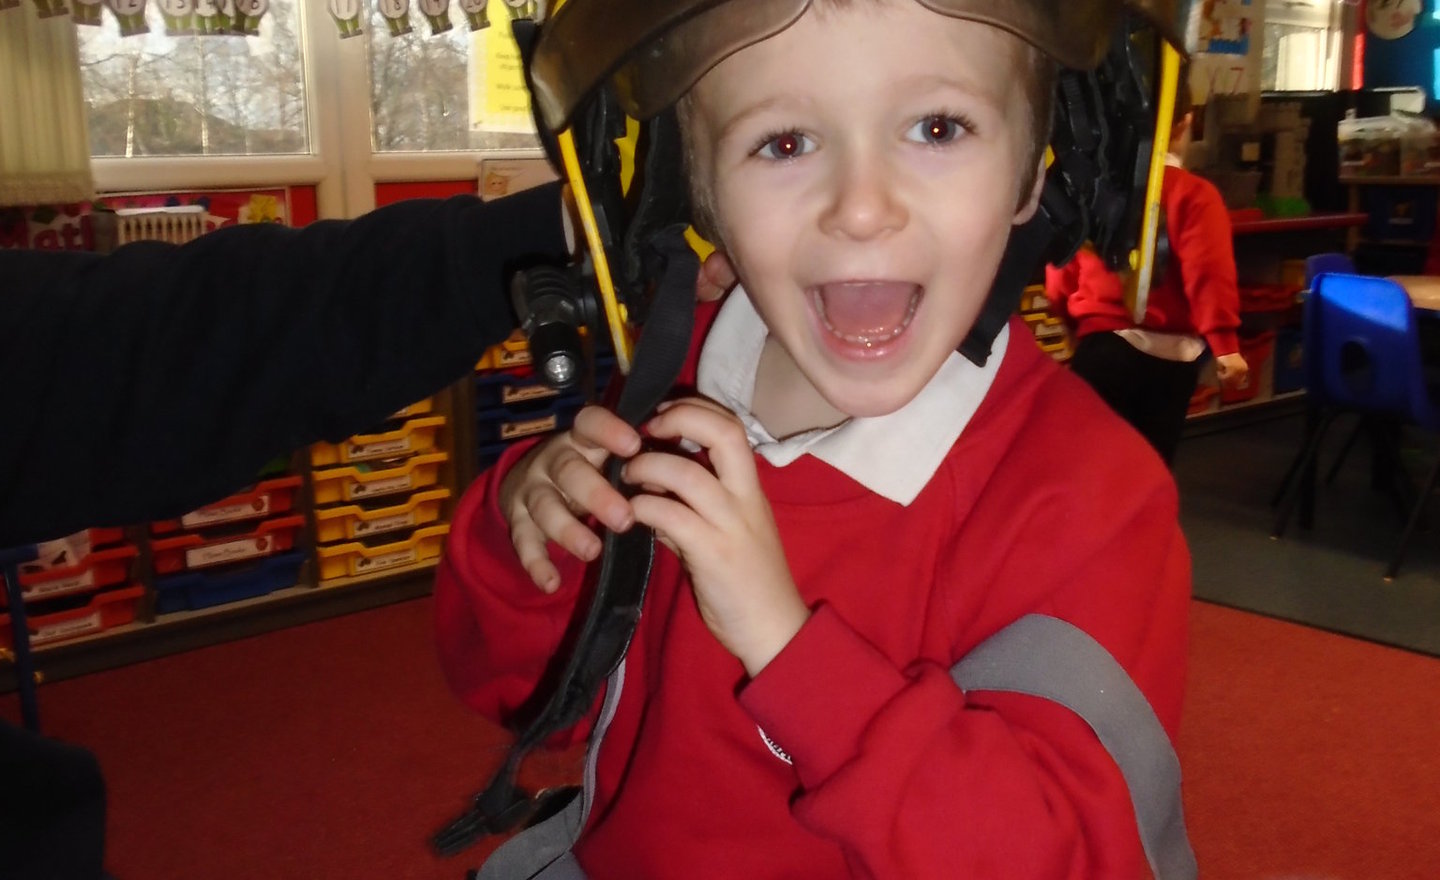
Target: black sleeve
[{"x": 156, "y": 379}]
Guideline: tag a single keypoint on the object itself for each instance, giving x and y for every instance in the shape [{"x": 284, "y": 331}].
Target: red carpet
[
  {"x": 333, "y": 750},
  {"x": 1309, "y": 755}
]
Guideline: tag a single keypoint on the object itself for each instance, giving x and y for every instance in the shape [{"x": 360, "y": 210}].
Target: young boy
[
  {"x": 867, "y": 508},
  {"x": 1147, "y": 370}
]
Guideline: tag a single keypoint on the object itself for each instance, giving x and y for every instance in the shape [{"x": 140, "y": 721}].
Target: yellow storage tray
[
  {"x": 351, "y": 521},
  {"x": 1033, "y": 299},
  {"x": 1046, "y": 328},
  {"x": 513, "y": 352},
  {"x": 416, "y": 435},
  {"x": 355, "y": 559},
  {"x": 418, "y": 408},
  {"x": 360, "y": 481}
]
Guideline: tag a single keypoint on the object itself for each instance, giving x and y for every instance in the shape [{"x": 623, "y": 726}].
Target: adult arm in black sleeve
[{"x": 156, "y": 379}]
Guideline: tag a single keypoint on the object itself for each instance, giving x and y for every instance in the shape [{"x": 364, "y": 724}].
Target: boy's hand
[
  {"x": 1232, "y": 371},
  {"x": 719, "y": 524},
  {"x": 546, "y": 492}
]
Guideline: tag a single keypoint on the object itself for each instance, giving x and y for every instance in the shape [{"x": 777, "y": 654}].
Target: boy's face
[{"x": 863, "y": 171}]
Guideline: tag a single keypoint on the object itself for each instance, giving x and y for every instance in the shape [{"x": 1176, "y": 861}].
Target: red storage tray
[
  {"x": 70, "y": 550},
  {"x": 190, "y": 551},
  {"x": 263, "y": 499},
  {"x": 101, "y": 568},
  {"x": 104, "y": 611}
]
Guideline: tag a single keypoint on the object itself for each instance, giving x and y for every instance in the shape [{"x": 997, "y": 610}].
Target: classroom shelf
[{"x": 1300, "y": 224}]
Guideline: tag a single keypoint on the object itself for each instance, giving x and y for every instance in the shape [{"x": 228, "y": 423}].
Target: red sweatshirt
[
  {"x": 1198, "y": 294},
  {"x": 897, "y": 773}
]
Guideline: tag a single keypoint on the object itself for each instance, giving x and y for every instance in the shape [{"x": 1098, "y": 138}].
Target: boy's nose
[{"x": 864, "y": 203}]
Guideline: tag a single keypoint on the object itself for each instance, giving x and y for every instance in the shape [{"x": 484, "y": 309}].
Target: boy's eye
[
  {"x": 786, "y": 145},
  {"x": 936, "y": 130}
]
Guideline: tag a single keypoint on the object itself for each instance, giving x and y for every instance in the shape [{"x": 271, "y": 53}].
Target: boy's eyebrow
[
  {"x": 750, "y": 110},
  {"x": 967, "y": 85}
]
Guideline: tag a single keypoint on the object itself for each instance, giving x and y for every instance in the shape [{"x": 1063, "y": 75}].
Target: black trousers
[
  {"x": 52, "y": 809},
  {"x": 1150, "y": 393}
]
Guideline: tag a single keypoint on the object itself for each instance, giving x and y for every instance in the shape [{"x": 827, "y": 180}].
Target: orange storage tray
[
  {"x": 104, "y": 611},
  {"x": 265, "y": 498},
  {"x": 101, "y": 568},
  {"x": 189, "y": 551}
]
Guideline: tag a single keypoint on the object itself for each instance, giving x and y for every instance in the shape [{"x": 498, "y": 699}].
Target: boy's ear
[
  {"x": 717, "y": 276},
  {"x": 1031, "y": 201}
]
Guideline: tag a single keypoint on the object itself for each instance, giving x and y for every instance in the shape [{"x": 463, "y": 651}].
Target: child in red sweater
[
  {"x": 1147, "y": 370},
  {"x": 867, "y": 505}
]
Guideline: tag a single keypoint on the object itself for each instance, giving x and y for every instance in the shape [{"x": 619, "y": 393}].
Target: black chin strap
[{"x": 655, "y": 250}]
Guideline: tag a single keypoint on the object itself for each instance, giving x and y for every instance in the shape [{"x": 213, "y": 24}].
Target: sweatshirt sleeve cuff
[
  {"x": 1223, "y": 342},
  {"x": 817, "y": 697}
]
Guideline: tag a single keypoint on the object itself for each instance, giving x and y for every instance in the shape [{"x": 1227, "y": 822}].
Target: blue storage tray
[
  {"x": 506, "y": 425},
  {"x": 204, "y": 589}
]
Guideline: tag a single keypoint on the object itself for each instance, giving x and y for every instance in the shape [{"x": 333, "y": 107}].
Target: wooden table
[{"x": 1424, "y": 290}]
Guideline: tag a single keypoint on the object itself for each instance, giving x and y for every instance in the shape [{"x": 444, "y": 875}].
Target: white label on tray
[
  {"x": 522, "y": 393},
  {"x": 229, "y": 513},
  {"x": 55, "y": 631},
  {"x": 384, "y": 524},
  {"x": 60, "y": 585},
  {"x": 60, "y": 553},
  {"x": 385, "y": 560},
  {"x": 508, "y": 358},
  {"x": 512, "y": 430},
  {"x": 379, "y": 449},
  {"x": 380, "y": 487},
  {"x": 229, "y": 551}
]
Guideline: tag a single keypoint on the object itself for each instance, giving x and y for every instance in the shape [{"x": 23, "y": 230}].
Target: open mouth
[{"x": 866, "y": 313}]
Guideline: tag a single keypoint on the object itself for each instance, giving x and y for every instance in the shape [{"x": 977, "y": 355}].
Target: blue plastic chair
[
  {"x": 1320, "y": 264},
  {"x": 1362, "y": 355}
]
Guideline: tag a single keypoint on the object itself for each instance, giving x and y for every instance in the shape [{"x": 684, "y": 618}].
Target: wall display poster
[
  {"x": 1225, "y": 26},
  {"x": 499, "y": 99}
]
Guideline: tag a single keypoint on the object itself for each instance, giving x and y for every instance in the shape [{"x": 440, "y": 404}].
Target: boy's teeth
[{"x": 866, "y": 312}]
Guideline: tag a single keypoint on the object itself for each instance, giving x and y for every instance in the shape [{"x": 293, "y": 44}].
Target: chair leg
[
  {"x": 1345, "y": 450},
  {"x": 1312, "y": 419},
  {"x": 1302, "y": 475},
  {"x": 1415, "y": 515}
]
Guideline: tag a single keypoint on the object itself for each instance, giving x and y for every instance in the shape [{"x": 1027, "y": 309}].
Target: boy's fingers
[
  {"x": 676, "y": 525},
  {"x": 555, "y": 521},
  {"x": 599, "y": 428},
  {"x": 530, "y": 548},
  {"x": 714, "y": 429},
  {"x": 686, "y": 479},
  {"x": 589, "y": 492}
]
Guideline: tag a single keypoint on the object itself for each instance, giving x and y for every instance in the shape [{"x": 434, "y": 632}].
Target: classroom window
[
  {"x": 164, "y": 93},
  {"x": 1296, "y": 58},
  {"x": 443, "y": 85}
]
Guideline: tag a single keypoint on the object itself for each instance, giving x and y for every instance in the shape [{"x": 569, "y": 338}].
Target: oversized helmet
[{"x": 655, "y": 50}]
